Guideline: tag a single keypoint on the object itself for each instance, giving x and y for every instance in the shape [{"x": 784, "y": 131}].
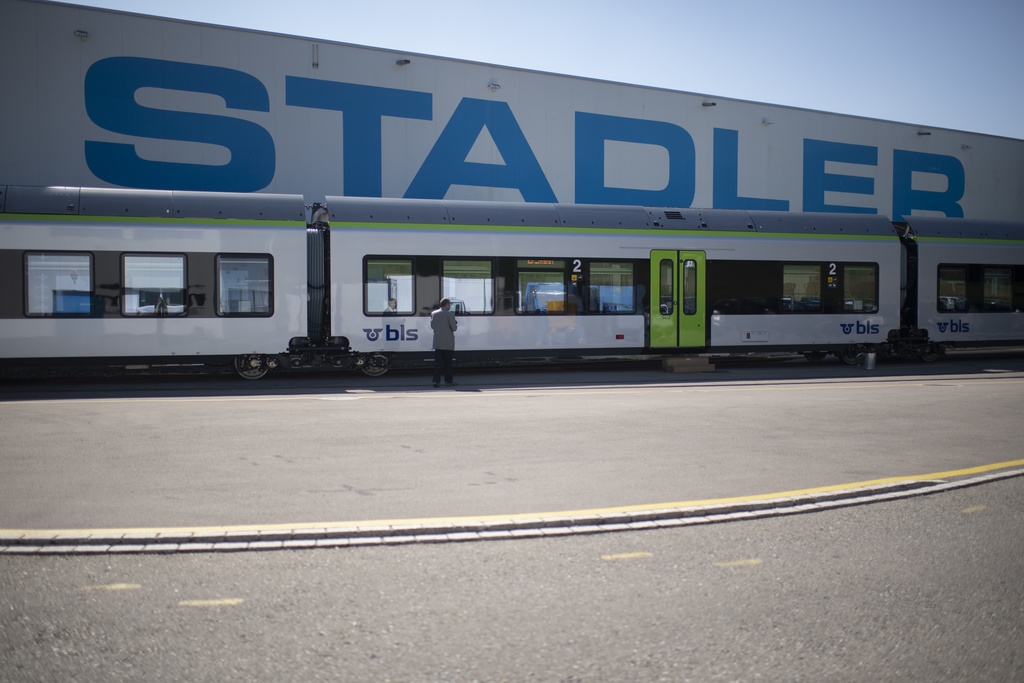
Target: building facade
[{"x": 112, "y": 99}]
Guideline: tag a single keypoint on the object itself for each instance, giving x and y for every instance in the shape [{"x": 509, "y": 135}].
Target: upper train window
[
  {"x": 801, "y": 287},
  {"x": 245, "y": 285},
  {"x": 770, "y": 287},
  {"x": 611, "y": 287},
  {"x": 974, "y": 288},
  {"x": 154, "y": 284},
  {"x": 540, "y": 286},
  {"x": 860, "y": 287},
  {"x": 998, "y": 289},
  {"x": 388, "y": 286},
  {"x": 58, "y": 284},
  {"x": 952, "y": 288},
  {"x": 469, "y": 284}
]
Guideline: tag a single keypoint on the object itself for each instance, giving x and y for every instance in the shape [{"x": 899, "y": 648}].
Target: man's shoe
[{"x": 436, "y": 385}]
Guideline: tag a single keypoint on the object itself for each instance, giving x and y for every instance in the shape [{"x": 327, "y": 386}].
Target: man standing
[{"x": 444, "y": 324}]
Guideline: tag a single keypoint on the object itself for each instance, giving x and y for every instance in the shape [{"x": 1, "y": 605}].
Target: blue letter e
[{"x": 110, "y": 87}]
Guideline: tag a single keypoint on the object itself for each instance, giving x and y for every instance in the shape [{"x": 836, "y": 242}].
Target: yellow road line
[
  {"x": 625, "y": 556},
  {"x": 739, "y": 563},
  {"x": 976, "y": 508},
  {"x": 112, "y": 587},
  {"x": 211, "y": 603},
  {"x": 818, "y": 386},
  {"x": 426, "y": 521}
]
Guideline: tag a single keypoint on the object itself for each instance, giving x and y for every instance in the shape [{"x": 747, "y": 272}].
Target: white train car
[
  {"x": 546, "y": 280},
  {"x": 143, "y": 279},
  {"x": 970, "y": 277},
  {"x": 109, "y": 277}
]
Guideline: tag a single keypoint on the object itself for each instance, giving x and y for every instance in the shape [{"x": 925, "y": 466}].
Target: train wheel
[
  {"x": 850, "y": 355},
  {"x": 815, "y": 356},
  {"x": 931, "y": 353},
  {"x": 376, "y": 365},
  {"x": 251, "y": 367}
]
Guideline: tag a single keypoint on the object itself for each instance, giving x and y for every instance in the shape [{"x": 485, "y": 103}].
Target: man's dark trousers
[{"x": 444, "y": 364}]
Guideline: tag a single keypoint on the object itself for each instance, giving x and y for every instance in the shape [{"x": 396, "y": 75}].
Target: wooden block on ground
[{"x": 687, "y": 364}]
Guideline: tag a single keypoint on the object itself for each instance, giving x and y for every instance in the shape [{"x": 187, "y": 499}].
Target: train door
[{"x": 677, "y": 298}]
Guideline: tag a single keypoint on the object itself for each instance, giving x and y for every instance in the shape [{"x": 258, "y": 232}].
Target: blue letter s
[{"x": 110, "y": 86}]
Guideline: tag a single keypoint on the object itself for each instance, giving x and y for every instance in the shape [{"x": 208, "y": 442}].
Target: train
[{"x": 146, "y": 279}]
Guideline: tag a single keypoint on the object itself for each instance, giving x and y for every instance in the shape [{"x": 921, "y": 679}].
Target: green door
[{"x": 677, "y": 299}]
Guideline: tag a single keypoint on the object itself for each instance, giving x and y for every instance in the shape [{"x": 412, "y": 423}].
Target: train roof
[
  {"x": 961, "y": 228},
  {"x": 456, "y": 212},
  {"x": 91, "y": 201},
  {"x": 96, "y": 201},
  {"x": 822, "y": 223}
]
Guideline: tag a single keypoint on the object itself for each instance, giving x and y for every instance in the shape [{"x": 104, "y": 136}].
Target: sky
[{"x": 954, "y": 64}]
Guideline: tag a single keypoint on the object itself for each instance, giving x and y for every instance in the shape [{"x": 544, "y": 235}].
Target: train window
[
  {"x": 611, "y": 287},
  {"x": 540, "y": 286},
  {"x": 388, "y": 286},
  {"x": 689, "y": 287},
  {"x": 801, "y": 287},
  {"x": 952, "y": 295},
  {"x": 58, "y": 284},
  {"x": 469, "y": 285},
  {"x": 744, "y": 287},
  {"x": 998, "y": 288},
  {"x": 1018, "y": 288},
  {"x": 767, "y": 287},
  {"x": 666, "y": 278},
  {"x": 244, "y": 285},
  {"x": 860, "y": 288},
  {"x": 154, "y": 284}
]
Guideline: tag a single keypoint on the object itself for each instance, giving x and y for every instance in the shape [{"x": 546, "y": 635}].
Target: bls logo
[
  {"x": 954, "y": 326},
  {"x": 861, "y": 327},
  {"x": 391, "y": 334}
]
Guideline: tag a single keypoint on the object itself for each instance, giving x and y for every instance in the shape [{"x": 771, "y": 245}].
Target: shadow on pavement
[{"x": 962, "y": 364}]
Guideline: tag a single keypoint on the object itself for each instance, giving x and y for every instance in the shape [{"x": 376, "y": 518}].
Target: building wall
[{"x": 158, "y": 103}]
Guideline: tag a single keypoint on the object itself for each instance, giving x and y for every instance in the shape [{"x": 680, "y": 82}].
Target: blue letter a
[{"x": 446, "y": 164}]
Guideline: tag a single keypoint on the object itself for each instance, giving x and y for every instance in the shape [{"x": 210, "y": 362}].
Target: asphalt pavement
[{"x": 173, "y": 464}]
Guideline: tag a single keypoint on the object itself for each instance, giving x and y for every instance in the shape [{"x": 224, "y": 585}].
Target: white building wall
[{"x": 47, "y": 129}]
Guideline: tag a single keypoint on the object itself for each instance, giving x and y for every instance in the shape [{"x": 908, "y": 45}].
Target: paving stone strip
[{"x": 448, "y": 531}]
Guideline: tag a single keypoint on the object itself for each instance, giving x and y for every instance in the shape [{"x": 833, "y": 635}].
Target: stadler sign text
[{"x": 111, "y": 85}]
